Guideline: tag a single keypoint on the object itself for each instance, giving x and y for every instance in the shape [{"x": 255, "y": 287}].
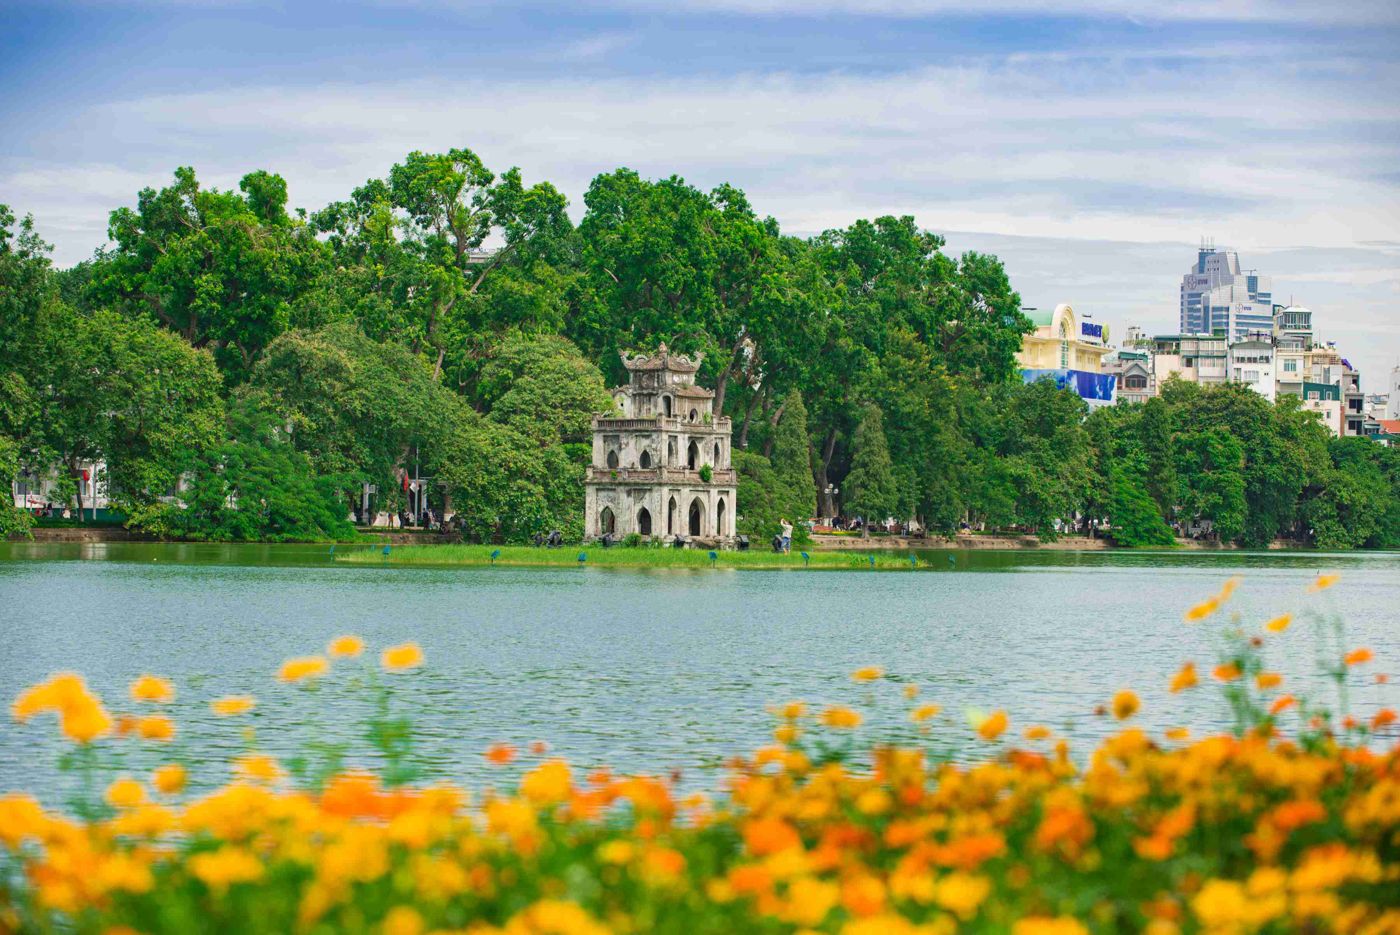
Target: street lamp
[{"x": 832, "y": 491}]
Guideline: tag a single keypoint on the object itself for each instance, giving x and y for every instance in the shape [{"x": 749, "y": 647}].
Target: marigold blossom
[
  {"x": 153, "y": 689},
  {"x": 924, "y": 712},
  {"x": 867, "y": 674},
  {"x": 231, "y": 705},
  {"x": 1322, "y": 583},
  {"x": 345, "y": 647},
  {"x": 1357, "y": 656},
  {"x": 1281, "y": 704},
  {"x": 302, "y": 668},
  {"x": 401, "y": 658},
  {"x": 1125, "y": 704},
  {"x": 1279, "y": 623}
]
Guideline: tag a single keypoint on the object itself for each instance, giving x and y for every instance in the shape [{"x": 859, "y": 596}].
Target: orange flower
[
  {"x": 500, "y": 754},
  {"x": 1203, "y": 610},
  {"x": 539, "y": 747},
  {"x": 169, "y": 778},
  {"x": 303, "y": 668},
  {"x": 1357, "y": 656},
  {"x": 1226, "y": 672},
  {"x": 547, "y": 783},
  {"x": 842, "y": 717},
  {"x": 1322, "y": 583},
  {"x": 1125, "y": 704},
  {"x": 993, "y": 725},
  {"x": 868, "y": 674},
  {"x": 792, "y": 710},
  {"x": 152, "y": 688},
  {"x": 1178, "y": 733},
  {"x": 343, "y": 647},
  {"x": 257, "y": 766},
  {"x": 924, "y": 712},
  {"x": 1383, "y": 718},
  {"x": 911, "y": 692},
  {"x": 1281, "y": 704},
  {"x": 155, "y": 727},
  {"x": 1268, "y": 680},
  {"x": 125, "y": 793},
  {"x": 401, "y": 658},
  {"x": 1185, "y": 678},
  {"x": 1279, "y": 623},
  {"x": 1036, "y": 732},
  {"x": 1228, "y": 587},
  {"x": 232, "y": 704}
]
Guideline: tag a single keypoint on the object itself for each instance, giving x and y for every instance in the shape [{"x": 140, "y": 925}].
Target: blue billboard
[{"x": 1098, "y": 389}]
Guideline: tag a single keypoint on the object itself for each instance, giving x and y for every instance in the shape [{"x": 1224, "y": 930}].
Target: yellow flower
[
  {"x": 993, "y": 725},
  {"x": 402, "y": 920},
  {"x": 1178, "y": 733},
  {"x": 258, "y": 767},
  {"x": 232, "y": 704},
  {"x": 1203, "y": 610},
  {"x": 1357, "y": 656},
  {"x": 868, "y": 674},
  {"x": 224, "y": 867},
  {"x": 85, "y": 722},
  {"x": 125, "y": 793},
  {"x": 1185, "y": 678},
  {"x": 786, "y": 733},
  {"x": 169, "y": 779},
  {"x": 1046, "y": 925},
  {"x": 547, "y": 783},
  {"x": 1268, "y": 680},
  {"x": 1228, "y": 588},
  {"x": 841, "y": 717},
  {"x": 1036, "y": 732},
  {"x": 962, "y": 893},
  {"x": 924, "y": 712},
  {"x": 1322, "y": 583},
  {"x": 1125, "y": 704},
  {"x": 302, "y": 668},
  {"x": 152, "y": 688},
  {"x": 343, "y": 647},
  {"x": 793, "y": 710},
  {"x": 1279, "y": 623},
  {"x": 401, "y": 658},
  {"x": 911, "y": 692},
  {"x": 155, "y": 727}
]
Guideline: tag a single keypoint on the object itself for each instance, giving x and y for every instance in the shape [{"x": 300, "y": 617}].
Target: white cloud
[{"x": 1064, "y": 150}]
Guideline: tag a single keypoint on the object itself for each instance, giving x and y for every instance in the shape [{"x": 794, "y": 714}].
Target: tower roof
[{"x": 663, "y": 359}]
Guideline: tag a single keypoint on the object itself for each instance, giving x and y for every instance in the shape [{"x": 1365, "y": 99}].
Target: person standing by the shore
[{"x": 787, "y": 534}]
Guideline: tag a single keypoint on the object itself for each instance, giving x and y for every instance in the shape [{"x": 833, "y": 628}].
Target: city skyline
[{"x": 1090, "y": 147}]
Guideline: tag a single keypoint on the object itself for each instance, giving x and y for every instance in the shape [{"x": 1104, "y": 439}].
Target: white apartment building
[{"x": 1252, "y": 363}]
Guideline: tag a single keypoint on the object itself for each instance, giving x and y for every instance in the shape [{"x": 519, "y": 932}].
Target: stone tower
[{"x": 651, "y": 453}]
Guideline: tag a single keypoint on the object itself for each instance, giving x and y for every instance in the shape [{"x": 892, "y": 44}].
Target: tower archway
[
  {"x": 644, "y": 521},
  {"x": 692, "y": 456},
  {"x": 719, "y": 518},
  {"x": 671, "y": 517},
  {"x": 697, "y": 517},
  {"x": 607, "y": 522}
]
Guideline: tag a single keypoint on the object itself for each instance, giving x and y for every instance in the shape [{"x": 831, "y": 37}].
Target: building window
[
  {"x": 716, "y": 461},
  {"x": 694, "y": 416},
  {"x": 645, "y": 460},
  {"x": 607, "y": 522},
  {"x": 1135, "y": 382},
  {"x": 1290, "y": 366},
  {"x": 692, "y": 456},
  {"x": 612, "y": 459},
  {"x": 666, "y": 404},
  {"x": 644, "y": 521}
]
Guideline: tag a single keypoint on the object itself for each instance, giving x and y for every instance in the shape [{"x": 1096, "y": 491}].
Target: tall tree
[
  {"x": 221, "y": 269},
  {"x": 870, "y": 489},
  {"x": 792, "y": 460}
]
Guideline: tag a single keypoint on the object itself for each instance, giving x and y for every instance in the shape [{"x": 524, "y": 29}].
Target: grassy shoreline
[{"x": 620, "y": 557}]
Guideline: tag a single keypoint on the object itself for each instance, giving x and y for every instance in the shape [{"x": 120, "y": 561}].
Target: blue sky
[{"x": 1090, "y": 145}]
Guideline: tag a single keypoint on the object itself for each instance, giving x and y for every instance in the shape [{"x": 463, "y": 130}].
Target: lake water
[{"x": 646, "y": 670}]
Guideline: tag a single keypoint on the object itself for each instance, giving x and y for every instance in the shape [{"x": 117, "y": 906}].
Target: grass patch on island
[{"x": 623, "y": 557}]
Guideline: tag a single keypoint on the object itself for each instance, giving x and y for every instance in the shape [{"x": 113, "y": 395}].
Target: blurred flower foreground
[{"x": 1288, "y": 822}]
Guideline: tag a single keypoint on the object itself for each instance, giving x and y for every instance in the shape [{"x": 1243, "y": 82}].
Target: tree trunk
[
  {"x": 823, "y": 478},
  {"x": 437, "y": 367},
  {"x": 77, "y": 475},
  {"x": 773, "y": 431},
  {"x": 748, "y": 414},
  {"x": 723, "y": 382}
]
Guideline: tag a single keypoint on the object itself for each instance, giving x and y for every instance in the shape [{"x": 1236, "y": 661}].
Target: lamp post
[{"x": 832, "y": 491}]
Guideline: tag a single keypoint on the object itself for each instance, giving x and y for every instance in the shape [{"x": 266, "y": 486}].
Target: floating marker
[
  {"x": 872, "y": 561},
  {"x": 913, "y": 562},
  {"x": 806, "y": 559},
  {"x": 495, "y": 554},
  {"x": 386, "y": 550},
  {"x": 713, "y": 556},
  {"x": 332, "y": 549},
  {"x": 582, "y": 557},
  {"x": 952, "y": 560}
]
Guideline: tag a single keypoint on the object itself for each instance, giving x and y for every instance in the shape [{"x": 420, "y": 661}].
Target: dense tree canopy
[{"x": 244, "y": 370}]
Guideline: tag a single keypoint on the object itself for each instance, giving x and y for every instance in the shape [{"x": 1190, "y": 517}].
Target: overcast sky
[{"x": 1090, "y": 145}]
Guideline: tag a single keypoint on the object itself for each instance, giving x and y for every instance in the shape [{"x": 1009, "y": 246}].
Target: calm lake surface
[{"x": 646, "y": 670}]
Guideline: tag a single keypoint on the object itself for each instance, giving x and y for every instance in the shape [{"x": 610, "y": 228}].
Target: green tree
[
  {"x": 792, "y": 461},
  {"x": 128, "y": 393},
  {"x": 870, "y": 489},
  {"x": 1159, "y": 451},
  {"x": 221, "y": 269},
  {"x": 542, "y": 387},
  {"x": 1210, "y": 472},
  {"x": 1133, "y": 516}
]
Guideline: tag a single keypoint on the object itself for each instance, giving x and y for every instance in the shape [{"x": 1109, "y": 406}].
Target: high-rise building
[{"x": 1217, "y": 296}]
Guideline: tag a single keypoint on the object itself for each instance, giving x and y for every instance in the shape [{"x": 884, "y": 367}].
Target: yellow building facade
[{"x": 1061, "y": 341}]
